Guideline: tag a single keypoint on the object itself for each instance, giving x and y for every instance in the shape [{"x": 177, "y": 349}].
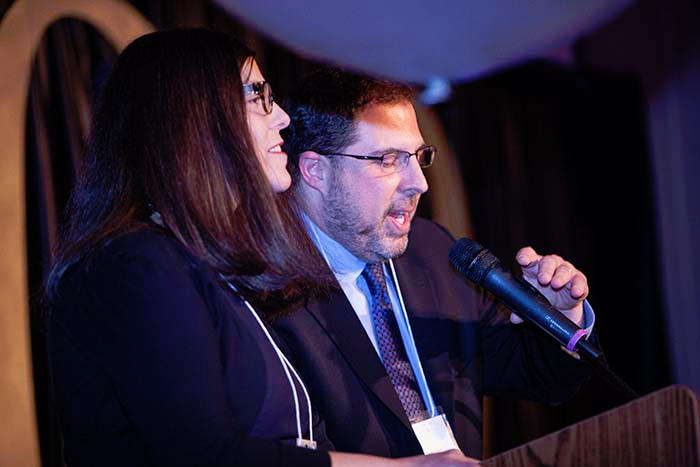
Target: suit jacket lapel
[
  {"x": 338, "y": 319},
  {"x": 422, "y": 306}
]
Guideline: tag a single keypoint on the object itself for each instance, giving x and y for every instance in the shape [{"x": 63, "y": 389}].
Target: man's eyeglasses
[
  {"x": 263, "y": 90},
  {"x": 395, "y": 161}
]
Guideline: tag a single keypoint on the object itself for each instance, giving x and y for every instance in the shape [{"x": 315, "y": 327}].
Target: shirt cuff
[{"x": 588, "y": 318}]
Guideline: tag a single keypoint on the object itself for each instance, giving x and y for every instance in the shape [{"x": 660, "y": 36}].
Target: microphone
[{"x": 480, "y": 266}]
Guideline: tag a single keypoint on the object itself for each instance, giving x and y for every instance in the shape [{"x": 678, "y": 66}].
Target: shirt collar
[{"x": 345, "y": 266}]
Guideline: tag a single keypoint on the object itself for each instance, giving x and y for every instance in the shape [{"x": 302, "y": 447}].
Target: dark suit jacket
[
  {"x": 465, "y": 341},
  {"x": 155, "y": 362}
]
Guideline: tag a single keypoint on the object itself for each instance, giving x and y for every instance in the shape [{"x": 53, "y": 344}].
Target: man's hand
[{"x": 564, "y": 286}]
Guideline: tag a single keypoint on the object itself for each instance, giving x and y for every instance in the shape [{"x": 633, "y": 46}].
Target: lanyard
[
  {"x": 411, "y": 350},
  {"x": 287, "y": 366},
  {"x": 301, "y": 442}
]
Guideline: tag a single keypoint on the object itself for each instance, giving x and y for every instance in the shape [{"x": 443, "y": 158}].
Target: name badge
[
  {"x": 306, "y": 443},
  {"x": 434, "y": 434}
]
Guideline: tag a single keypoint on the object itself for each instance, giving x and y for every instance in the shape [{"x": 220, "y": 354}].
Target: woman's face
[{"x": 265, "y": 131}]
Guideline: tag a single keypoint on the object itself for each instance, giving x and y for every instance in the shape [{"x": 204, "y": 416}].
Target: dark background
[{"x": 556, "y": 155}]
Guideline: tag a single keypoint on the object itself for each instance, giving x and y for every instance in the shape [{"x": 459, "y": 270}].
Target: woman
[{"x": 173, "y": 235}]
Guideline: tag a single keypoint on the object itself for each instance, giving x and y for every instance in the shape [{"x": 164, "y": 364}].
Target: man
[{"x": 404, "y": 339}]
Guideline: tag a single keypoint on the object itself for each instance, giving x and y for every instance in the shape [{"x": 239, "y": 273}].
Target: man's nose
[{"x": 413, "y": 179}]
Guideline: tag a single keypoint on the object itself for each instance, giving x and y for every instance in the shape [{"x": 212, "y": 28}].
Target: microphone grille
[{"x": 472, "y": 260}]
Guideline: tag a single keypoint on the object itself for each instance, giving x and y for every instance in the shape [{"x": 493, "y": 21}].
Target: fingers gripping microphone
[{"x": 480, "y": 266}]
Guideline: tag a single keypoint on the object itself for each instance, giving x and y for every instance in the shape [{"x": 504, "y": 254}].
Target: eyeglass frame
[
  {"x": 258, "y": 88},
  {"x": 381, "y": 158}
]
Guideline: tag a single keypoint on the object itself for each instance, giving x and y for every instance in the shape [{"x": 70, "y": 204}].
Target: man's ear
[{"x": 314, "y": 170}]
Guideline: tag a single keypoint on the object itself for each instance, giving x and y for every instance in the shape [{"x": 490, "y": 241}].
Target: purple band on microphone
[{"x": 575, "y": 338}]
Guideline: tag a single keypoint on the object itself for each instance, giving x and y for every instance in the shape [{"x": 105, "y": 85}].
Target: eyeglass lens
[
  {"x": 400, "y": 159},
  {"x": 268, "y": 99},
  {"x": 425, "y": 156},
  {"x": 264, "y": 91}
]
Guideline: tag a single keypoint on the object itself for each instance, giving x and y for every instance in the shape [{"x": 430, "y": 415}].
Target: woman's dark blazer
[{"x": 155, "y": 362}]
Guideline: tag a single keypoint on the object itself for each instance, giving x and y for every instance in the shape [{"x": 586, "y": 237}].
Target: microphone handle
[
  {"x": 553, "y": 322},
  {"x": 529, "y": 304}
]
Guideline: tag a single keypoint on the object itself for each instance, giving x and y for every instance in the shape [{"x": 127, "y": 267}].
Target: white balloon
[{"x": 419, "y": 40}]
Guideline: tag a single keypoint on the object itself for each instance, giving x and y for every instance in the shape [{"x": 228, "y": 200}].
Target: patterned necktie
[{"x": 390, "y": 343}]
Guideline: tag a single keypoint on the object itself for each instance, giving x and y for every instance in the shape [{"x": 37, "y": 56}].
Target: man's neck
[
  {"x": 310, "y": 207},
  {"x": 340, "y": 260}
]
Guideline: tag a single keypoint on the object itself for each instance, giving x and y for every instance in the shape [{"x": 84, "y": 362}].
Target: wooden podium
[{"x": 660, "y": 429}]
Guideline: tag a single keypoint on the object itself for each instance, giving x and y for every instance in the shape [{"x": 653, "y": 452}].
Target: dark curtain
[
  {"x": 557, "y": 158},
  {"x": 551, "y": 157}
]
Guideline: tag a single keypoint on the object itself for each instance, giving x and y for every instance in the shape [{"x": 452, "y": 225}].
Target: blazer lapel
[{"x": 337, "y": 317}]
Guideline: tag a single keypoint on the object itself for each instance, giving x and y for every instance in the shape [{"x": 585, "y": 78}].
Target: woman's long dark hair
[{"x": 170, "y": 133}]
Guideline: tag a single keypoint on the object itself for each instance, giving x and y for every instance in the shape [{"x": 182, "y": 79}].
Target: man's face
[{"x": 366, "y": 209}]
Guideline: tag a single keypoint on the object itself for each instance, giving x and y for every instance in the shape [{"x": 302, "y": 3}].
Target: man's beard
[{"x": 369, "y": 242}]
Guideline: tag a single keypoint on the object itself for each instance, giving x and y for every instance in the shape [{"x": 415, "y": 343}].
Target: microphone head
[{"x": 472, "y": 260}]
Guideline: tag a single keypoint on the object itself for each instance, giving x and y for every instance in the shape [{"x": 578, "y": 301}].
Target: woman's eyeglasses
[{"x": 263, "y": 90}]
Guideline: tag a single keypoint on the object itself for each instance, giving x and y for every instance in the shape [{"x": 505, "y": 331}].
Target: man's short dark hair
[{"x": 324, "y": 107}]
